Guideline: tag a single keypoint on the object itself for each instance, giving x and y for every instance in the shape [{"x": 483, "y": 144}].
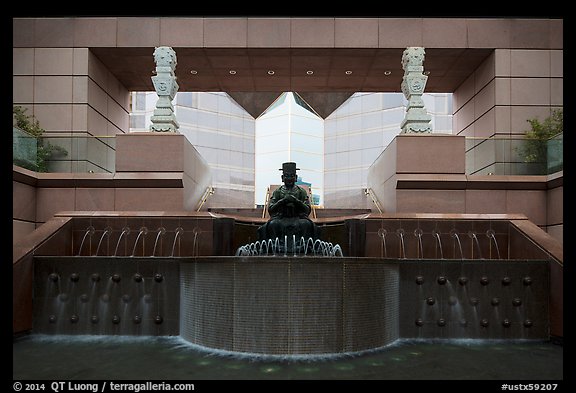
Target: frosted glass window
[
  {"x": 249, "y": 127},
  {"x": 342, "y": 160},
  {"x": 306, "y": 143},
  {"x": 329, "y": 145},
  {"x": 355, "y": 158},
  {"x": 355, "y": 123},
  {"x": 307, "y": 160},
  {"x": 355, "y": 105},
  {"x": 371, "y": 120},
  {"x": 371, "y": 139},
  {"x": 209, "y": 154},
  {"x": 236, "y": 124},
  {"x": 248, "y": 145},
  {"x": 236, "y": 142},
  {"x": 342, "y": 143},
  {"x": 271, "y": 160},
  {"x": 371, "y": 103},
  {"x": 224, "y": 157},
  {"x": 206, "y": 139},
  {"x": 207, "y": 119},
  {"x": 393, "y": 117},
  {"x": 235, "y": 158},
  {"x": 393, "y": 100},
  {"x": 312, "y": 127},
  {"x": 184, "y": 99},
  {"x": 330, "y": 161},
  {"x": 139, "y": 101},
  {"x": 355, "y": 177},
  {"x": 224, "y": 103},
  {"x": 248, "y": 161},
  {"x": 272, "y": 143},
  {"x": 329, "y": 128},
  {"x": 355, "y": 142},
  {"x": 343, "y": 125},
  {"x": 370, "y": 155},
  {"x": 224, "y": 123},
  {"x": 137, "y": 121},
  {"x": 208, "y": 102},
  {"x": 186, "y": 116}
]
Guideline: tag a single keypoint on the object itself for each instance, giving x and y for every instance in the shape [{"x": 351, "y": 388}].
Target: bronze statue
[{"x": 289, "y": 208}]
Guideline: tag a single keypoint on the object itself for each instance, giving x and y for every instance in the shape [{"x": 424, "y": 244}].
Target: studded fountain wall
[
  {"x": 106, "y": 296},
  {"x": 400, "y": 279}
]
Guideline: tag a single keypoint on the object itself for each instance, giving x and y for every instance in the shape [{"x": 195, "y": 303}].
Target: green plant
[
  {"x": 45, "y": 150},
  {"x": 535, "y": 147}
]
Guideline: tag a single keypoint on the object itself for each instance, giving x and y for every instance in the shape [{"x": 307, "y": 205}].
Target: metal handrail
[
  {"x": 209, "y": 191},
  {"x": 369, "y": 192}
]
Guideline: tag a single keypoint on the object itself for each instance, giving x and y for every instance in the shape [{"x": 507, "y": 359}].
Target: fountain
[
  {"x": 125, "y": 231},
  {"x": 177, "y": 234},
  {"x": 107, "y": 232},
  {"x": 454, "y": 235},
  {"x": 396, "y": 289},
  {"x": 142, "y": 231},
  {"x": 160, "y": 232},
  {"x": 89, "y": 232}
]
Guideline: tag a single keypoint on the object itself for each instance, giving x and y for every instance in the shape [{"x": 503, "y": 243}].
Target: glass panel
[
  {"x": 300, "y": 142},
  {"x": 24, "y": 149},
  {"x": 393, "y": 100},
  {"x": 555, "y": 153}
]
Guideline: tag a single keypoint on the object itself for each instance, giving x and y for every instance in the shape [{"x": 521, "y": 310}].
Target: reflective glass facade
[
  {"x": 333, "y": 154},
  {"x": 289, "y": 131},
  {"x": 358, "y": 131},
  {"x": 222, "y": 132}
]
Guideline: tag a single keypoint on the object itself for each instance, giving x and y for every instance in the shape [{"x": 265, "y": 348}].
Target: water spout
[
  {"x": 400, "y": 233},
  {"x": 436, "y": 234},
  {"x": 142, "y": 231},
  {"x": 161, "y": 232},
  {"x": 107, "y": 231},
  {"x": 418, "y": 233},
  {"x": 454, "y": 234},
  {"x": 491, "y": 235},
  {"x": 178, "y": 232},
  {"x": 125, "y": 231},
  {"x": 382, "y": 234},
  {"x": 317, "y": 247},
  {"x": 195, "y": 245},
  {"x": 89, "y": 231},
  {"x": 473, "y": 236}
]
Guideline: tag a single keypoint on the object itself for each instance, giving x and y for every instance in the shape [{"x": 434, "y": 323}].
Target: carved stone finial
[
  {"x": 163, "y": 119},
  {"x": 417, "y": 119}
]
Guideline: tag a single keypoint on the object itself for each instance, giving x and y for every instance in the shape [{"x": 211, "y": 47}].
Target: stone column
[
  {"x": 417, "y": 120},
  {"x": 163, "y": 119}
]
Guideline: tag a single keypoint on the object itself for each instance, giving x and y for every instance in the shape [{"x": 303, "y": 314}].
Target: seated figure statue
[{"x": 289, "y": 208}]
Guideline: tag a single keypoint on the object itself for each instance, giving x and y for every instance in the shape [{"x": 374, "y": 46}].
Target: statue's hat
[{"x": 289, "y": 167}]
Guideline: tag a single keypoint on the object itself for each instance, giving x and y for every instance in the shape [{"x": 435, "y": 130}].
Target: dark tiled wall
[
  {"x": 195, "y": 238},
  {"x": 418, "y": 239},
  {"x": 289, "y": 305}
]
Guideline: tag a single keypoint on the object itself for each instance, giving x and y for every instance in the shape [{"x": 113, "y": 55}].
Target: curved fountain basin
[{"x": 292, "y": 305}]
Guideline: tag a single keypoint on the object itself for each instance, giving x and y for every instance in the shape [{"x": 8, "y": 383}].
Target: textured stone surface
[
  {"x": 413, "y": 84},
  {"x": 166, "y": 87}
]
